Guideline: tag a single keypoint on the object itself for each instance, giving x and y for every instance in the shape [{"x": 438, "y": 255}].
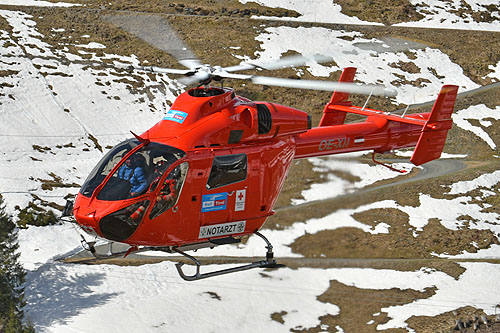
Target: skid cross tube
[{"x": 268, "y": 263}]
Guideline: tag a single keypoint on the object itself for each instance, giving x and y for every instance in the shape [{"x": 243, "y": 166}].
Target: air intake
[{"x": 265, "y": 119}]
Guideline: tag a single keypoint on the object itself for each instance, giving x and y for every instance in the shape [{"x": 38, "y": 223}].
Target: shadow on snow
[{"x": 54, "y": 293}]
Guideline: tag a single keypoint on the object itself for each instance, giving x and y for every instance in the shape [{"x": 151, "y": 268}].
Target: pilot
[
  {"x": 161, "y": 161},
  {"x": 132, "y": 171}
]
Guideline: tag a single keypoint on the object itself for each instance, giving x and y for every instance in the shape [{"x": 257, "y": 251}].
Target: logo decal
[
  {"x": 214, "y": 202},
  {"x": 175, "y": 115},
  {"x": 239, "y": 204},
  {"x": 222, "y": 229}
]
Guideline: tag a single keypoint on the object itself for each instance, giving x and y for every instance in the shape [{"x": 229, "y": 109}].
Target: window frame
[{"x": 158, "y": 189}]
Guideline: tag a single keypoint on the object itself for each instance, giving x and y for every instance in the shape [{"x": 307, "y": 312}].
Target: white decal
[
  {"x": 337, "y": 143},
  {"x": 239, "y": 204},
  {"x": 359, "y": 140},
  {"x": 222, "y": 229}
]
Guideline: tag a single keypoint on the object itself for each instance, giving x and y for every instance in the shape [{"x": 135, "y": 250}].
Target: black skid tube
[{"x": 268, "y": 263}]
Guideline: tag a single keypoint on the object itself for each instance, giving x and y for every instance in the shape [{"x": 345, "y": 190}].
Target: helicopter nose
[
  {"x": 87, "y": 220},
  {"x": 113, "y": 222},
  {"x": 122, "y": 224}
]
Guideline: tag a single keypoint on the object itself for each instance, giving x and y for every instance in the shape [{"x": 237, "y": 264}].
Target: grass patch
[
  {"x": 213, "y": 295},
  {"x": 55, "y": 182},
  {"x": 4, "y": 25},
  {"x": 278, "y": 316},
  {"x": 446, "y": 322},
  {"x": 41, "y": 149},
  {"x": 460, "y": 47},
  {"x": 6, "y": 73},
  {"x": 354, "y": 317},
  {"x": 33, "y": 214},
  {"x": 300, "y": 177},
  {"x": 184, "y": 7},
  {"x": 78, "y": 22},
  {"x": 381, "y": 11},
  {"x": 350, "y": 242}
]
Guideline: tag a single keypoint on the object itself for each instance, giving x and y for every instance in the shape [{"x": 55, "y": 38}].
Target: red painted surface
[{"x": 202, "y": 129}]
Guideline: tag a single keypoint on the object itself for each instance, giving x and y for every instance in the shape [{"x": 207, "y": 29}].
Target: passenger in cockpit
[{"x": 132, "y": 171}]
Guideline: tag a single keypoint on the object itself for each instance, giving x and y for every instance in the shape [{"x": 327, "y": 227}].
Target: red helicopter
[{"x": 210, "y": 172}]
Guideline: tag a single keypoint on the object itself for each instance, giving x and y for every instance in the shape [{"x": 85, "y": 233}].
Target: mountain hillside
[{"x": 366, "y": 248}]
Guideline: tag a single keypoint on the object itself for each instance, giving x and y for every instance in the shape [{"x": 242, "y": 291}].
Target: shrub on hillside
[{"x": 11, "y": 278}]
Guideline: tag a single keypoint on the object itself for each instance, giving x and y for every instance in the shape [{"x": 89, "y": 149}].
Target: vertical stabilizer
[
  {"x": 433, "y": 136},
  {"x": 332, "y": 117}
]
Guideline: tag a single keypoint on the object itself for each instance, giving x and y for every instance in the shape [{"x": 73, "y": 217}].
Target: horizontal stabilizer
[{"x": 433, "y": 136}]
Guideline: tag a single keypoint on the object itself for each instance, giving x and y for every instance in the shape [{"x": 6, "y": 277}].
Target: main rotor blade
[
  {"x": 196, "y": 78},
  {"x": 154, "y": 69},
  {"x": 227, "y": 75},
  {"x": 284, "y": 62},
  {"x": 156, "y": 31},
  {"x": 325, "y": 85},
  {"x": 149, "y": 69},
  {"x": 191, "y": 63}
]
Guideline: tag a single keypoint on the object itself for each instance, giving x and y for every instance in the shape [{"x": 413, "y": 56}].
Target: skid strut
[{"x": 268, "y": 263}]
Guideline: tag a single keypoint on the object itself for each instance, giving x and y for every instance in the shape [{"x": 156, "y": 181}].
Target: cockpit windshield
[{"x": 138, "y": 174}]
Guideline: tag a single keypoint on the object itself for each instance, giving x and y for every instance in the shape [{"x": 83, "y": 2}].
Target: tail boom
[
  {"x": 382, "y": 131},
  {"x": 377, "y": 133}
]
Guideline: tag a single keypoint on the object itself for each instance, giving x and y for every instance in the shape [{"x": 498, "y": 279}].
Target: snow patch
[
  {"x": 434, "y": 67},
  {"x": 445, "y": 15},
  {"x": 36, "y": 3},
  {"x": 320, "y": 11},
  {"x": 480, "y": 112},
  {"x": 488, "y": 180}
]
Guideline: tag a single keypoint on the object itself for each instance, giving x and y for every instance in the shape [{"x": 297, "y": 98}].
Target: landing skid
[{"x": 268, "y": 263}]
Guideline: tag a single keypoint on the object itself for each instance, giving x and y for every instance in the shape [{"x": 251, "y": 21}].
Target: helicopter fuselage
[{"x": 214, "y": 166}]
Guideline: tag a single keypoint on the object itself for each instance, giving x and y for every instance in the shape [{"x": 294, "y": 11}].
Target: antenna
[{"x": 364, "y": 106}]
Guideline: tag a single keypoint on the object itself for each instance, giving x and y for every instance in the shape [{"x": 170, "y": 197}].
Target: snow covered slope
[
  {"x": 455, "y": 14},
  {"x": 58, "y": 115}
]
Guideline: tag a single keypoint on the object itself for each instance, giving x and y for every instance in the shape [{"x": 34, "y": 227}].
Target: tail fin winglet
[{"x": 433, "y": 136}]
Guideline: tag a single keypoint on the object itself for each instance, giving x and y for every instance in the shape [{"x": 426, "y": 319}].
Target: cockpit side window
[
  {"x": 104, "y": 167},
  {"x": 227, "y": 170},
  {"x": 161, "y": 161},
  {"x": 170, "y": 190}
]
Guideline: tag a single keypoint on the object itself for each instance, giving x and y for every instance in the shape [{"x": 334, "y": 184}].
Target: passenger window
[{"x": 227, "y": 170}]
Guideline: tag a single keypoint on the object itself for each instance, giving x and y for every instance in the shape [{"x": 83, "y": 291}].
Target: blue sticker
[
  {"x": 175, "y": 115},
  {"x": 214, "y": 202}
]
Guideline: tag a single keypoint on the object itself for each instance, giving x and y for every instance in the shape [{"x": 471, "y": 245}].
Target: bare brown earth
[
  {"x": 231, "y": 8},
  {"x": 362, "y": 304},
  {"x": 211, "y": 27},
  {"x": 378, "y": 11}
]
